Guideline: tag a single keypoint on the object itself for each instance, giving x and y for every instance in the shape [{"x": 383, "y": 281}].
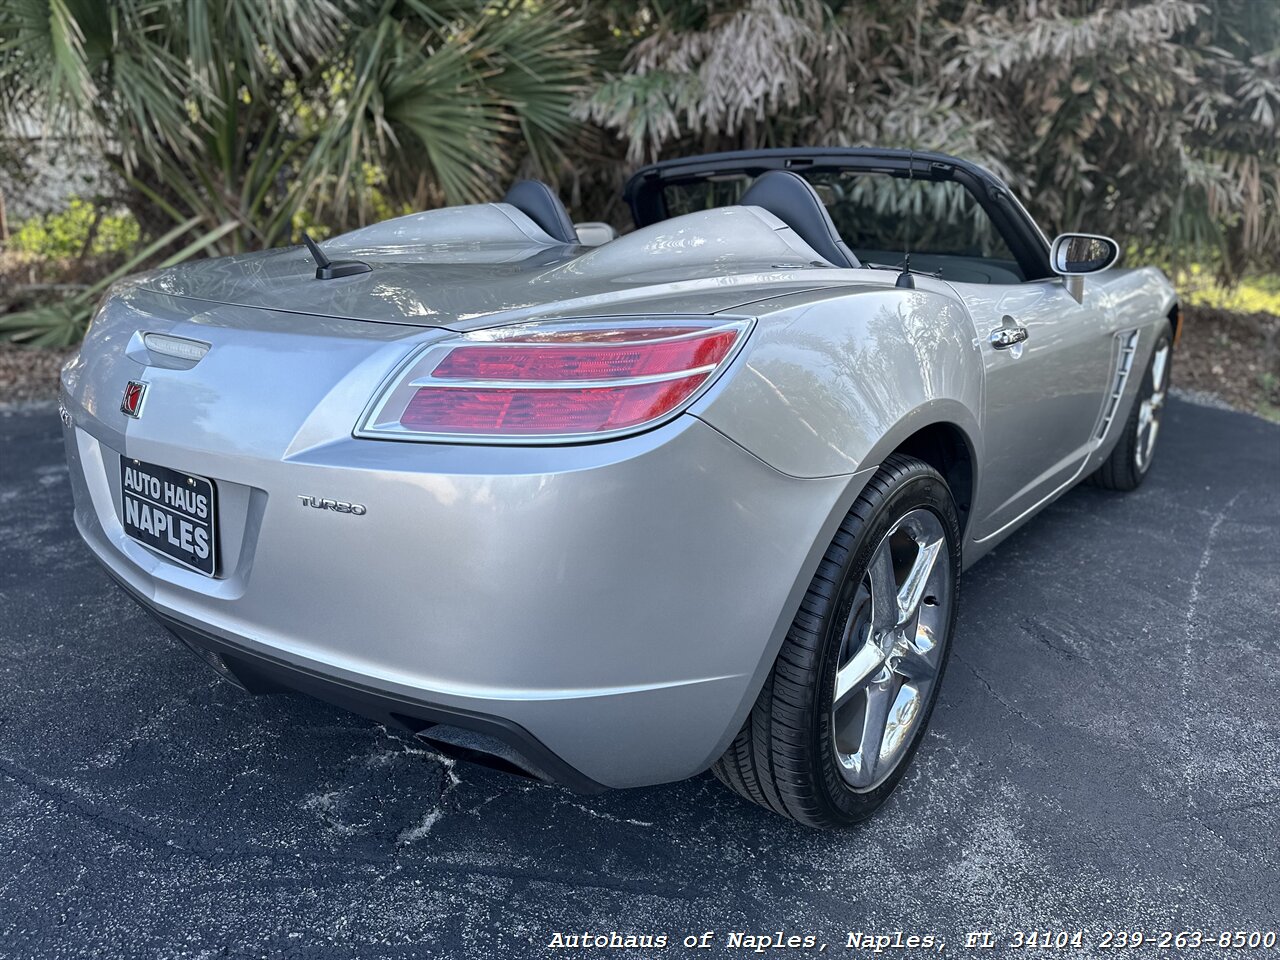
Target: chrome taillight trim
[{"x": 446, "y": 383}]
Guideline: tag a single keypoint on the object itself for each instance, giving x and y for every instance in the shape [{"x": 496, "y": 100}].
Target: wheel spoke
[
  {"x": 1159, "y": 363},
  {"x": 1150, "y": 447},
  {"x": 1149, "y": 412},
  {"x": 853, "y": 675},
  {"x": 879, "y": 703},
  {"x": 899, "y": 723},
  {"x": 884, "y": 589},
  {"x": 915, "y": 665},
  {"x": 917, "y": 580},
  {"x": 1148, "y": 428}
]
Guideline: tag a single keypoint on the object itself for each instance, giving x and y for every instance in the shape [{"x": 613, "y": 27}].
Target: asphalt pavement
[{"x": 1105, "y": 755}]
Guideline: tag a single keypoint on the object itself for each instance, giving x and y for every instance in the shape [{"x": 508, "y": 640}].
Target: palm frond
[{"x": 62, "y": 324}]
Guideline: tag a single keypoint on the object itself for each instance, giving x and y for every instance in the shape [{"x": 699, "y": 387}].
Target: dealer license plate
[{"x": 170, "y": 512}]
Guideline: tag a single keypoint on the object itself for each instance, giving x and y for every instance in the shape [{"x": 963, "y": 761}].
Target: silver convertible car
[{"x": 612, "y": 510}]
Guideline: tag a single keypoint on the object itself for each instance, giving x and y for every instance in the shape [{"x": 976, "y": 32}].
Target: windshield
[{"x": 879, "y": 215}]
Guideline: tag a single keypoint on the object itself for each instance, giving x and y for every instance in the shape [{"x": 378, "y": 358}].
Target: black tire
[
  {"x": 784, "y": 758},
  {"x": 1122, "y": 470}
]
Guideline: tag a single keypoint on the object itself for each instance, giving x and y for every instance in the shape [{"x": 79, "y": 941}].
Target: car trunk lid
[{"x": 728, "y": 259}]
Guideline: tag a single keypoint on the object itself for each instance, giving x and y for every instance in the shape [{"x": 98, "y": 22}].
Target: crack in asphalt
[
  {"x": 995, "y": 694},
  {"x": 153, "y": 836},
  {"x": 1041, "y": 634},
  {"x": 1189, "y": 636}
]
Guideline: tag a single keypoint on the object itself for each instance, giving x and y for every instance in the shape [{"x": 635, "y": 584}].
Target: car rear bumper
[
  {"x": 608, "y": 612},
  {"x": 492, "y": 741}
]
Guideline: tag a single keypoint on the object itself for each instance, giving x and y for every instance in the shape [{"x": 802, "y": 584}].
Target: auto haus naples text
[
  {"x": 759, "y": 943},
  {"x": 152, "y": 492}
]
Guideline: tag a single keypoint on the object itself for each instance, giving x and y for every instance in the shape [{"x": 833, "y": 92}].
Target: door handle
[{"x": 1010, "y": 334}]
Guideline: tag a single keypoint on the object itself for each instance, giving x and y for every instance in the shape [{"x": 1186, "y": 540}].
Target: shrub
[{"x": 83, "y": 227}]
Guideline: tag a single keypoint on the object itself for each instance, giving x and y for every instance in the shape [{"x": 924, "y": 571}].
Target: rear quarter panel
[{"x": 833, "y": 380}]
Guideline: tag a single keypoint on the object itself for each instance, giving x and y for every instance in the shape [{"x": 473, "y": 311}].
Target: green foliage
[
  {"x": 250, "y": 112},
  {"x": 373, "y": 180},
  {"x": 243, "y": 123},
  {"x": 80, "y": 228},
  {"x": 1252, "y": 294},
  {"x": 1156, "y": 121},
  {"x": 62, "y": 324}
]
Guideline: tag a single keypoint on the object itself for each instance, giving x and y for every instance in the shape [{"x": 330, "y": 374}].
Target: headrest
[
  {"x": 792, "y": 199},
  {"x": 539, "y": 203}
]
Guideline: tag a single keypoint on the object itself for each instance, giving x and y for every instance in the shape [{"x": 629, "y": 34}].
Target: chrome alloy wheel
[
  {"x": 1149, "y": 411},
  {"x": 891, "y": 649}
]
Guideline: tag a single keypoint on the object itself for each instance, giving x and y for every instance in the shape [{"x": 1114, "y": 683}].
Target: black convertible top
[{"x": 644, "y": 190}]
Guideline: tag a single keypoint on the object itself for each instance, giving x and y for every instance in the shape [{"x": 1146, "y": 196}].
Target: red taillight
[
  {"x": 550, "y": 361},
  {"x": 554, "y": 381},
  {"x": 518, "y": 412}
]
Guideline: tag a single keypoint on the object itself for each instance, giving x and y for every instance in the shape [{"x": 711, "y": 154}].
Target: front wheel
[
  {"x": 847, "y": 702},
  {"x": 1130, "y": 459}
]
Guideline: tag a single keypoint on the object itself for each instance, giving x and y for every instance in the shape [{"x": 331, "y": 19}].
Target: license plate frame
[{"x": 160, "y": 508}]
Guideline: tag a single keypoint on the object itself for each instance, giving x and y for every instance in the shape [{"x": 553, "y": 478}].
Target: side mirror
[
  {"x": 594, "y": 234},
  {"x": 1074, "y": 254}
]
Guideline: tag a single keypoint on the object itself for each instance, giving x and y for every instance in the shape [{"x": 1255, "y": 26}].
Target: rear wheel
[
  {"x": 844, "y": 708},
  {"x": 1131, "y": 458}
]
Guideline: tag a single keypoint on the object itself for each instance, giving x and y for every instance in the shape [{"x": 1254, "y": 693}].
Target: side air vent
[{"x": 1128, "y": 346}]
